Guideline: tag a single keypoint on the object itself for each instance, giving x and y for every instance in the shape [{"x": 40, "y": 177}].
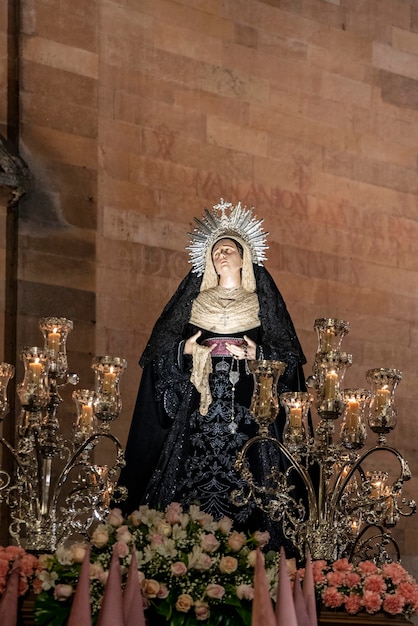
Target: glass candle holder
[
  {"x": 55, "y": 332},
  {"x": 353, "y": 427},
  {"x": 330, "y": 374},
  {"x": 107, "y": 402},
  {"x": 33, "y": 392},
  {"x": 85, "y": 422},
  {"x": 377, "y": 480},
  {"x": 382, "y": 415},
  {"x": 7, "y": 372},
  {"x": 264, "y": 402},
  {"x": 330, "y": 333},
  {"x": 296, "y": 405}
]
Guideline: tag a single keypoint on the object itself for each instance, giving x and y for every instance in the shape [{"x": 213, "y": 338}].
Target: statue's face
[{"x": 226, "y": 257}]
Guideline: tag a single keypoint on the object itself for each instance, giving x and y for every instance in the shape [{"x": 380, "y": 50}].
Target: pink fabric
[
  {"x": 285, "y": 608},
  {"x": 80, "y": 613},
  {"x": 262, "y": 611},
  {"x": 308, "y": 589},
  {"x": 302, "y": 615},
  {"x": 133, "y": 607},
  {"x": 219, "y": 344},
  {"x": 111, "y": 610},
  {"x": 8, "y": 604}
]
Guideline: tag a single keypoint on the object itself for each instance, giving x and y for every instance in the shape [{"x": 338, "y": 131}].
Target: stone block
[
  {"x": 215, "y": 104},
  {"x": 57, "y": 270},
  {"x": 67, "y": 87},
  {"x": 246, "y": 35},
  {"x": 60, "y": 56},
  {"x": 119, "y": 135},
  {"x": 387, "y": 58},
  {"x": 75, "y": 24},
  {"x": 40, "y": 110},
  {"x": 165, "y": 118},
  {"x": 398, "y": 90},
  {"x": 44, "y": 300},
  {"x": 405, "y": 40},
  {"x": 64, "y": 147},
  {"x": 205, "y": 19},
  {"x": 345, "y": 89}
]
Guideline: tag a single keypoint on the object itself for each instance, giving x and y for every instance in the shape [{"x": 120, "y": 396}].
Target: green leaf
[{"x": 49, "y": 611}]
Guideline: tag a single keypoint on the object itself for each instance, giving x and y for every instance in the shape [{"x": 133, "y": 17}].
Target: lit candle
[
  {"x": 109, "y": 379},
  {"x": 295, "y": 415},
  {"x": 86, "y": 416},
  {"x": 36, "y": 370},
  {"x": 54, "y": 339},
  {"x": 382, "y": 398},
  {"x": 352, "y": 414},
  {"x": 265, "y": 389},
  {"x": 331, "y": 385},
  {"x": 355, "y": 526},
  {"x": 326, "y": 343}
]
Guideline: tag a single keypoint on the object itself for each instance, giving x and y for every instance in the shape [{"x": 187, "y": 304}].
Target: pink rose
[
  {"x": 228, "y": 564},
  {"x": 215, "y": 591},
  {"x": 203, "y": 562},
  {"x": 173, "y": 513},
  {"x": 184, "y": 603},
  {"x": 261, "y": 538},
  {"x": 164, "y": 528},
  {"x": 245, "y": 592},
  {"x": 78, "y": 551},
  {"x": 96, "y": 571},
  {"x": 63, "y": 592},
  {"x": 115, "y": 517},
  {"x": 252, "y": 557},
  {"x": 209, "y": 543},
  {"x": 202, "y": 610},
  {"x": 121, "y": 549},
  {"x": 100, "y": 536},
  {"x": 135, "y": 518},
  {"x": 123, "y": 534},
  {"x": 151, "y": 588},
  {"x": 163, "y": 592},
  {"x": 178, "y": 568},
  {"x": 236, "y": 541},
  {"x": 225, "y": 525},
  {"x": 156, "y": 540}
]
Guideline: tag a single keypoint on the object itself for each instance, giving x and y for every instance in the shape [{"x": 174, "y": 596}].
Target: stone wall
[{"x": 134, "y": 115}]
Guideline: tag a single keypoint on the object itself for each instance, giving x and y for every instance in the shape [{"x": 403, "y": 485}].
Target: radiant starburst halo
[{"x": 226, "y": 220}]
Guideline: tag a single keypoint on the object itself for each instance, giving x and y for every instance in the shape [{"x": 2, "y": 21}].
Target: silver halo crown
[{"x": 216, "y": 224}]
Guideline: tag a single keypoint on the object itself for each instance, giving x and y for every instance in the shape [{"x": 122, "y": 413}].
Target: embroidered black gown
[{"x": 174, "y": 454}]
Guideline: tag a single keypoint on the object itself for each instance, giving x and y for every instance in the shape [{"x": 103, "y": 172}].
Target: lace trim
[{"x": 202, "y": 367}]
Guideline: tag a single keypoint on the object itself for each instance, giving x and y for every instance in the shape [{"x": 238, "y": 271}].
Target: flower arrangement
[
  {"x": 27, "y": 564},
  {"x": 192, "y": 569},
  {"x": 365, "y": 587}
]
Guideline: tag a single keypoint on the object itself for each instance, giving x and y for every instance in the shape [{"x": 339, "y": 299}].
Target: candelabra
[
  {"x": 55, "y": 490},
  {"x": 328, "y": 496}
]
